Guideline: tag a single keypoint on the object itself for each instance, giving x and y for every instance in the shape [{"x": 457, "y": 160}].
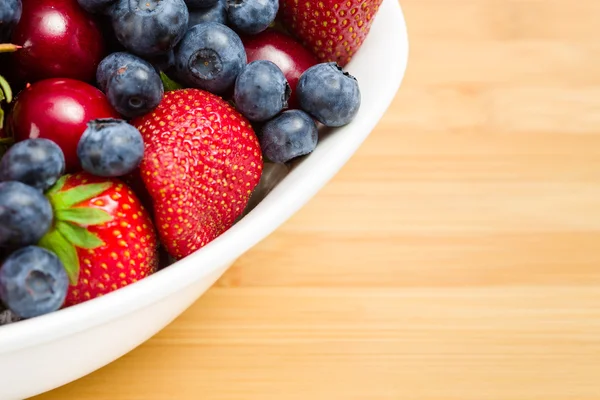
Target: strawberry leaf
[
  {"x": 83, "y": 216},
  {"x": 169, "y": 83},
  {"x": 65, "y": 251},
  {"x": 78, "y": 236},
  {"x": 71, "y": 197}
]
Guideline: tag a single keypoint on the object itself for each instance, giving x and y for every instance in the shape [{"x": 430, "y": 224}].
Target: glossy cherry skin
[
  {"x": 59, "y": 39},
  {"x": 283, "y": 50},
  {"x": 59, "y": 110}
]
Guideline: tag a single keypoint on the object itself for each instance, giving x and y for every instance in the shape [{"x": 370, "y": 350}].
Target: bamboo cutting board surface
[{"x": 456, "y": 256}]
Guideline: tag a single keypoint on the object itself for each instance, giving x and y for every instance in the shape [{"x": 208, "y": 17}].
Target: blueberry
[
  {"x": 289, "y": 135},
  {"x": 110, "y": 148},
  {"x": 198, "y": 4},
  {"x": 35, "y": 162},
  {"x": 132, "y": 85},
  {"x": 25, "y": 214},
  {"x": 251, "y": 16},
  {"x": 329, "y": 94},
  {"x": 96, "y": 6},
  {"x": 261, "y": 91},
  {"x": 215, "y": 13},
  {"x": 149, "y": 27},
  {"x": 210, "y": 57},
  {"x": 10, "y": 14},
  {"x": 33, "y": 282}
]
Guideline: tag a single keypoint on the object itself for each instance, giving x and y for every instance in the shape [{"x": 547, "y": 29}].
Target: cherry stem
[{"x": 9, "y": 47}]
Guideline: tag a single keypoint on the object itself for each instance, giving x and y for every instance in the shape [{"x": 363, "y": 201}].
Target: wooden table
[{"x": 456, "y": 257}]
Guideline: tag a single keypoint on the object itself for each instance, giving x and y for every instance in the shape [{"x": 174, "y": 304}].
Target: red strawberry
[
  {"x": 102, "y": 234},
  {"x": 201, "y": 163},
  {"x": 333, "y": 30}
]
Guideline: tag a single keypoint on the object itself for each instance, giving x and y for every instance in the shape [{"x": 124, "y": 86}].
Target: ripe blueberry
[
  {"x": 210, "y": 57},
  {"x": 132, "y": 85},
  {"x": 25, "y": 214},
  {"x": 149, "y": 27},
  {"x": 251, "y": 16},
  {"x": 33, "y": 282},
  {"x": 289, "y": 135},
  {"x": 261, "y": 91},
  {"x": 36, "y": 162},
  {"x": 329, "y": 94},
  {"x": 110, "y": 148}
]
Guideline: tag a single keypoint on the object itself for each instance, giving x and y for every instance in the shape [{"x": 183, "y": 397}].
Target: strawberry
[
  {"x": 202, "y": 161},
  {"x": 101, "y": 233},
  {"x": 333, "y": 30}
]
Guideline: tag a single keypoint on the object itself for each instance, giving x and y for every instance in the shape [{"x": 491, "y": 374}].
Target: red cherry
[
  {"x": 284, "y": 51},
  {"x": 59, "y": 110},
  {"x": 59, "y": 39}
]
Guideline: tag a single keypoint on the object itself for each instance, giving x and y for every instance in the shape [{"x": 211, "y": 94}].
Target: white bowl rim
[{"x": 72, "y": 320}]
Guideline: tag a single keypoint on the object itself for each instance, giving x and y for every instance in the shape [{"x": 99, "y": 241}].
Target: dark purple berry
[
  {"x": 131, "y": 84},
  {"x": 251, "y": 16},
  {"x": 210, "y": 57},
  {"x": 289, "y": 135},
  {"x": 110, "y": 148},
  {"x": 261, "y": 91},
  {"x": 33, "y": 282},
  {"x": 25, "y": 214},
  {"x": 149, "y": 27},
  {"x": 329, "y": 94},
  {"x": 36, "y": 162}
]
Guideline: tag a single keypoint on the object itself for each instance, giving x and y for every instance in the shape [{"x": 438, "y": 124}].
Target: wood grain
[{"x": 456, "y": 257}]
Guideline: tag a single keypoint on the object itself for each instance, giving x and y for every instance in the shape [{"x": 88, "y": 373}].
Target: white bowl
[{"x": 47, "y": 352}]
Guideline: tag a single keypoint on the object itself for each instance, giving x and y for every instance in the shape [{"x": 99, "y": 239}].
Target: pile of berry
[{"x": 135, "y": 131}]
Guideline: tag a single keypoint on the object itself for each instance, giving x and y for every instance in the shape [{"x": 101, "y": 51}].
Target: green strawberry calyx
[
  {"x": 69, "y": 231},
  {"x": 168, "y": 83}
]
